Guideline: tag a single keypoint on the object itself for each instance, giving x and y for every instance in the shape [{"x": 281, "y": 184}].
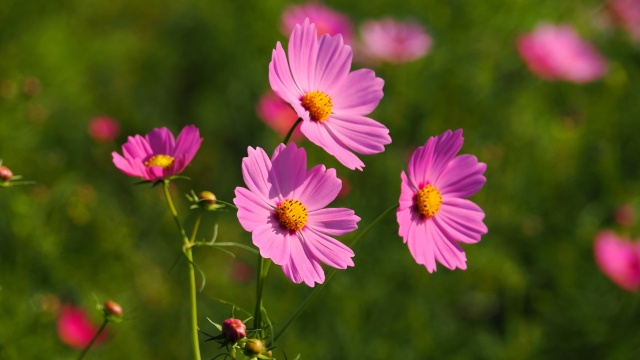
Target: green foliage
[{"x": 561, "y": 158}]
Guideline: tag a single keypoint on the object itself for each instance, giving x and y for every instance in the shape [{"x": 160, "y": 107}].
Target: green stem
[
  {"x": 286, "y": 138},
  {"x": 318, "y": 289},
  {"x": 93, "y": 340},
  {"x": 263, "y": 269},
  {"x": 192, "y": 275}
]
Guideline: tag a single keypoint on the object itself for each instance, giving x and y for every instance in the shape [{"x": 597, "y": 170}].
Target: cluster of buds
[{"x": 234, "y": 336}]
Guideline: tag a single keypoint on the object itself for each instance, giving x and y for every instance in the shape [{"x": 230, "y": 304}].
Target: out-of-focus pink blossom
[
  {"x": 394, "y": 41},
  {"x": 104, "y": 129},
  {"x": 627, "y": 13},
  {"x": 626, "y": 215},
  {"x": 278, "y": 115},
  {"x": 328, "y": 21},
  {"x": 619, "y": 259},
  {"x": 76, "y": 329},
  {"x": 558, "y": 53}
]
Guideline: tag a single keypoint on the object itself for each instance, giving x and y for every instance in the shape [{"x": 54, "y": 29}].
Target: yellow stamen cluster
[
  {"x": 292, "y": 214},
  {"x": 428, "y": 201},
  {"x": 164, "y": 161},
  {"x": 318, "y": 104}
]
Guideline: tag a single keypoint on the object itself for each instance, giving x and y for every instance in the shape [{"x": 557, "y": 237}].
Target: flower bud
[
  {"x": 5, "y": 173},
  {"x": 112, "y": 309},
  {"x": 234, "y": 329},
  {"x": 254, "y": 347},
  {"x": 207, "y": 197}
]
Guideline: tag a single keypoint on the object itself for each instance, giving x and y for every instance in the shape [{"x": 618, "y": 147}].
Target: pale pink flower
[
  {"x": 103, "y": 129},
  {"x": 76, "y": 329},
  {"x": 158, "y": 155},
  {"x": 332, "y": 101},
  {"x": 328, "y": 21},
  {"x": 284, "y": 207},
  {"x": 619, "y": 259},
  {"x": 278, "y": 115},
  {"x": 394, "y": 41},
  {"x": 558, "y": 53},
  {"x": 627, "y": 12},
  {"x": 433, "y": 214}
]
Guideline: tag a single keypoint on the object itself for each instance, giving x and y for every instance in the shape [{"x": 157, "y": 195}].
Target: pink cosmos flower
[
  {"x": 284, "y": 209},
  {"x": 76, "y": 329},
  {"x": 158, "y": 155},
  {"x": 278, "y": 115},
  {"x": 394, "y": 41},
  {"x": 558, "y": 53},
  {"x": 103, "y": 129},
  {"x": 332, "y": 101},
  {"x": 328, "y": 21},
  {"x": 627, "y": 12},
  {"x": 433, "y": 214},
  {"x": 619, "y": 259}
]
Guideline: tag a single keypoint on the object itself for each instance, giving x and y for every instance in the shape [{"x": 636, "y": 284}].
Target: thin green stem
[
  {"x": 196, "y": 226},
  {"x": 295, "y": 125},
  {"x": 318, "y": 289},
  {"x": 263, "y": 269},
  {"x": 192, "y": 275},
  {"x": 93, "y": 340}
]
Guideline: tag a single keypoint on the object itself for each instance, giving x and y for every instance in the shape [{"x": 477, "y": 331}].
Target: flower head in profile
[
  {"x": 278, "y": 115},
  {"x": 284, "y": 207},
  {"x": 332, "y": 101},
  {"x": 558, "y": 53},
  {"x": 394, "y": 41},
  {"x": 327, "y": 20},
  {"x": 627, "y": 13},
  {"x": 75, "y": 328},
  {"x": 433, "y": 214},
  {"x": 619, "y": 259},
  {"x": 158, "y": 155}
]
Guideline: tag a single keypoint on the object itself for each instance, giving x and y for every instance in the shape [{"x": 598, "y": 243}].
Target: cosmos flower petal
[
  {"x": 320, "y": 135},
  {"x": 321, "y": 187},
  {"x": 256, "y": 169},
  {"x": 465, "y": 232},
  {"x": 407, "y": 192},
  {"x": 359, "y": 94},
  {"x": 448, "y": 252},
  {"x": 462, "y": 177},
  {"x": 421, "y": 244},
  {"x": 274, "y": 242},
  {"x": 288, "y": 170},
  {"x": 303, "y": 51},
  {"x": 359, "y": 133},
  {"x": 464, "y": 212},
  {"x": 619, "y": 259},
  {"x": 327, "y": 249},
  {"x": 328, "y": 21},
  {"x": 281, "y": 80},
  {"x": 428, "y": 162},
  {"x": 332, "y": 65},
  {"x": 123, "y": 165},
  {"x": 161, "y": 141},
  {"x": 303, "y": 266},
  {"x": 253, "y": 212},
  {"x": 187, "y": 144},
  {"x": 136, "y": 147},
  {"x": 333, "y": 221}
]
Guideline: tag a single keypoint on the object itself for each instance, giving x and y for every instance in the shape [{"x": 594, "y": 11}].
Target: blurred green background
[{"x": 561, "y": 158}]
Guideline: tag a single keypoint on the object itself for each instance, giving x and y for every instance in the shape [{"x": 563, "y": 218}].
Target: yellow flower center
[
  {"x": 164, "y": 161},
  {"x": 318, "y": 104},
  {"x": 292, "y": 214},
  {"x": 428, "y": 201}
]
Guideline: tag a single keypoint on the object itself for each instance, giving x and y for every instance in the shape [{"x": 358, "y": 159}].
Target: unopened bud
[
  {"x": 5, "y": 173},
  {"x": 234, "y": 329},
  {"x": 113, "y": 309},
  {"x": 254, "y": 347},
  {"x": 207, "y": 197}
]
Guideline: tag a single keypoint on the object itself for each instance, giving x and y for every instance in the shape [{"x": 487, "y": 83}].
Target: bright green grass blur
[{"x": 561, "y": 158}]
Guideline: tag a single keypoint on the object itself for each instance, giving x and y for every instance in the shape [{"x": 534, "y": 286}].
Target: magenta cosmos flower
[
  {"x": 394, "y": 41},
  {"x": 433, "y": 214},
  {"x": 75, "y": 328},
  {"x": 158, "y": 155},
  {"x": 558, "y": 53},
  {"x": 619, "y": 259},
  {"x": 283, "y": 207},
  {"x": 627, "y": 13},
  {"x": 328, "y": 21},
  {"x": 278, "y": 115},
  {"x": 332, "y": 101}
]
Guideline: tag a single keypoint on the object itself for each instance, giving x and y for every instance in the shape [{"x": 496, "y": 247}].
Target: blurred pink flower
[
  {"x": 76, "y": 329},
  {"x": 558, "y": 53},
  {"x": 331, "y": 100},
  {"x": 619, "y": 259},
  {"x": 627, "y": 12},
  {"x": 433, "y": 214},
  {"x": 284, "y": 208},
  {"x": 278, "y": 115},
  {"x": 394, "y": 41},
  {"x": 103, "y": 129},
  {"x": 327, "y": 21},
  {"x": 158, "y": 155}
]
